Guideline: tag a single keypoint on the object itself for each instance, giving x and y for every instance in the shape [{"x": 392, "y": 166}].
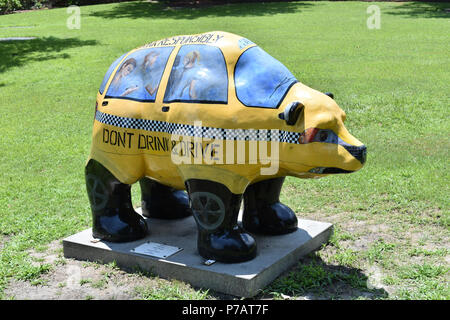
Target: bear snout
[{"x": 359, "y": 152}]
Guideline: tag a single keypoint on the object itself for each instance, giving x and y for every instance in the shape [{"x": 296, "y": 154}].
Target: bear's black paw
[
  {"x": 119, "y": 226},
  {"x": 273, "y": 219},
  {"x": 229, "y": 246}
]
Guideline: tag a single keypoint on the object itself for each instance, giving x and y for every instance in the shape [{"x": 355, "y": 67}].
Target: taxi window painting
[
  {"x": 199, "y": 74},
  {"x": 261, "y": 80},
  {"x": 108, "y": 73},
  {"x": 139, "y": 75}
]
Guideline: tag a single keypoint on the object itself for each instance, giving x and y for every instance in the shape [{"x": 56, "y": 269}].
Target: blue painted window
[
  {"x": 199, "y": 74},
  {"x": 261, "y": 80},
  {"x": 139, "y": 75},
  {"x": 108, "y": 73}
]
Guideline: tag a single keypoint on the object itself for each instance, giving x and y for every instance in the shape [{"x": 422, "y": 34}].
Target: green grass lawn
[{"x": 391, "y": 218}]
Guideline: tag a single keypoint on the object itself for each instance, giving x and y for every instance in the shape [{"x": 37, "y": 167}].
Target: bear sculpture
[{"x": 215, "y": 115}]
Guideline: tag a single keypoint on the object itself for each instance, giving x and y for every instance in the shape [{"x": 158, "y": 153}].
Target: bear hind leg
[
  {"x": 163, "y": 202},
  {"x": 114, "y": 218},
  {"x": 263, "y": 211}
]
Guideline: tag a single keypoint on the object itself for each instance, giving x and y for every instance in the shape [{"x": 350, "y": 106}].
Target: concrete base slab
[{"x": 275, "y": 255}]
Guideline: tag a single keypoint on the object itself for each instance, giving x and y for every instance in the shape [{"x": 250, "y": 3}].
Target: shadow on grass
[
  {"x": 312, "y": 278},
  {"x": 422, "y": 10},
  {"x": 19, "y": 53},
  {"x": 137, "y": 10},
  {"x": 315, "y": 279}
]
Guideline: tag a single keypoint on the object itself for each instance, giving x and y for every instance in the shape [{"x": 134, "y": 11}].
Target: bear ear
[
  {"x": 292, "y": 113},
  {"x": 330, "y": 95}
]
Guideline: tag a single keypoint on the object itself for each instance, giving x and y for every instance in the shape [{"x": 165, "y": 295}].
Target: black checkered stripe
[{"x": 196, "y": 131}]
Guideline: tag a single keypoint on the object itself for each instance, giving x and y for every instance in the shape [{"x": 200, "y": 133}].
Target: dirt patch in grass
[
  {"x": 74, "y": 281},
  {"x": 69, "y": 279},
  {"x": 3, "y": 240}
]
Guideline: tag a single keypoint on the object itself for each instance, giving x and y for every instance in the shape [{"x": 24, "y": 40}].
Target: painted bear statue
[{"x": 204, "y": 122}]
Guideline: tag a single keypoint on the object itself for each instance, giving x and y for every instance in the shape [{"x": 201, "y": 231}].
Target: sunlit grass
[{"x": 392, "y": 83}]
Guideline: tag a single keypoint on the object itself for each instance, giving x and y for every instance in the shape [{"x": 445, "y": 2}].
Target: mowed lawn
[{"x": 391, "y": 218}]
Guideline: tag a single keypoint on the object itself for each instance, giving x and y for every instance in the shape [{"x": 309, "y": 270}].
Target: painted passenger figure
[
  {"x": 122, "y": 85},
  {"x": 187, "y": 76},
  {"x": 199, "y": 75},
  {"x": 151, "y": 71},
  {"x": 138, "y": 78}
]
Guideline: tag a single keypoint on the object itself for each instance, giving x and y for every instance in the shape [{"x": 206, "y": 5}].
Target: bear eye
[{"x": 323, "y": 136}]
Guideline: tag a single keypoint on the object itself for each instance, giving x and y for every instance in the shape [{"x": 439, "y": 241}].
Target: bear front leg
[
  {"x": 114, "y": 218},
  {"x": 216, "y": 211},
  {"x": 263, "y": 211},
  {"x": 163, "y": 202}
]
